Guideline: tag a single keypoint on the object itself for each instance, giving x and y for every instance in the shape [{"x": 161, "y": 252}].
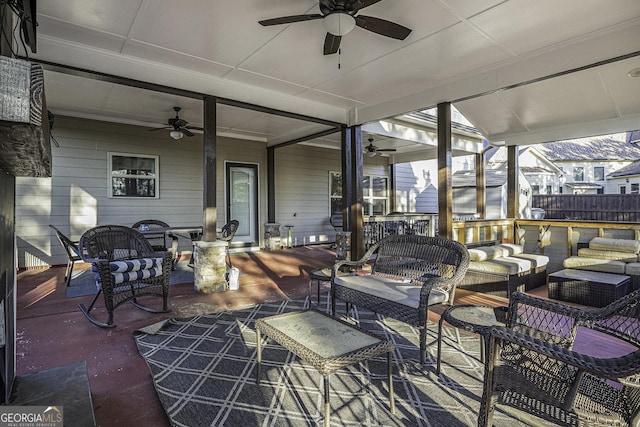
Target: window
[
  {"x": 374, "y": 191},
  {"x": 622, "y": 189},
  {"x": 549, "y": 189},
  {"x": 133, "y": 175},
  {"x": 635, "y": 188},
  {"x": 578, "y": 173},
  {"x": 535, "y": 189},
  {"x": 598, "y": 173}
]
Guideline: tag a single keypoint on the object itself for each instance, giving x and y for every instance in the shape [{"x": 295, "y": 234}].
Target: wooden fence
[{"x": 590, "y": 207}]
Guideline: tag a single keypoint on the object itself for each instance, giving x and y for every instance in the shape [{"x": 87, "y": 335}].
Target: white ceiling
[{"x": 503, "y": 63}]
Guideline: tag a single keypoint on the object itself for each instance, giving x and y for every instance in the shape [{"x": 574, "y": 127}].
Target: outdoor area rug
[
  {"x": 83, "y": 281},
  {"x": 204, "y": 371}
]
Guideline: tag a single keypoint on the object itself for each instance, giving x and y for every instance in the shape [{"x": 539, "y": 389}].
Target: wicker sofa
[
  {"x": 503, "y": 269},
  {"x": 409, "y": 274},
  {"x": 609, "y": 255}
]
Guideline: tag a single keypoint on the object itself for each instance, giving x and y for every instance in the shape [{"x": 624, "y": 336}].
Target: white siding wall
[
  {"x": 75, "y": 198},
  {"x": 302, "y": 188}
]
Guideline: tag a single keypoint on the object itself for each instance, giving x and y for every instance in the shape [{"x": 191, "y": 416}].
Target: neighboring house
[
  {"x": 587, "y": 162},
  {"x": 543, "y": 175},
  {"x": 464, "y": 194},
  {"x": 626, "y": 180}
]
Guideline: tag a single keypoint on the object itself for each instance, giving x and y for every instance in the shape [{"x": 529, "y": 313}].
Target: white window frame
[
  {"x": 594, "y": 173},
  {"x": 153, "y": 176},
  {"x": 368, "y": 199}
]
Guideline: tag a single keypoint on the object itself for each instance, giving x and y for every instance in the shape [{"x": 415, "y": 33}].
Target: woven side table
[{"x": 324, "y": 342}]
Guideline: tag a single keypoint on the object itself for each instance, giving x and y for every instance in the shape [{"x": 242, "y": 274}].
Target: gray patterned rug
[{"x": 204, "y": 371}]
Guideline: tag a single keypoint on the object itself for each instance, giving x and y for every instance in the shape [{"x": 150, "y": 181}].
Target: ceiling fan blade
[
  {"x": 186, "y": 131},
  {"x": 385, "y": 149},
  {"x": 194, "y": 128},
  {"x": 383, "y": 27},
  {"x": 356, "y": 5},
  {"x": 166, "y": 127},
  {"x": 180, "y": 123},
  {"x": 331, "y": 44},
  {"x": 290, "y": 19}
]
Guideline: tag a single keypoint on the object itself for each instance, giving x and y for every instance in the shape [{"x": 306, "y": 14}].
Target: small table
[
  {"x": 321, "y": 275},
  {"x": 474, "y": 318},
  {"x": 592, "y": 288},
  {"x": 324, "y": 342}
]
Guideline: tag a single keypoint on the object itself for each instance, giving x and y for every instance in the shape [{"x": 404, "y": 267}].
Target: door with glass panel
[{"x": 242, "y": 200}]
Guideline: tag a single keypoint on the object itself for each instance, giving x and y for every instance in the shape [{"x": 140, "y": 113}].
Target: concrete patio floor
[{"x": 52, "y": 332}]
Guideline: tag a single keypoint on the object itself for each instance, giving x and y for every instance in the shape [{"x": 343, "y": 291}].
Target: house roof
[
  {"x": 467, "y": 178},
  {"x": 583, "y": 185},
  {"x": 632, "y": 169},
  {"x": 606, "y": 147}
]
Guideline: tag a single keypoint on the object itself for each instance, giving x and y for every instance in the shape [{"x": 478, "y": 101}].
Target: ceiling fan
[
  {"x": 339, "y": 17},
  {"x": 179, "y": 126},
  {"x": 372, "y": 151}
]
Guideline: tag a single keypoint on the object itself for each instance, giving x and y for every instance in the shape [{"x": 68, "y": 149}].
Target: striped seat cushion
[{"x": 131, "y": 270}]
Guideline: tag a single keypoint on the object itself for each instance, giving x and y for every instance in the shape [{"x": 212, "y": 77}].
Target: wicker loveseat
[
  {"x": 409, "y": 274},
  {"x": 503, "y": 269},
  {"x": 609, "y": 255}
]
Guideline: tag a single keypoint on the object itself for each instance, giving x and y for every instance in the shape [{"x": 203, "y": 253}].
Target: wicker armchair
[
  {"x": 127, "y": 268},
  {"x": 532, "y": 368},
  {"x": 409, "y": 274}
]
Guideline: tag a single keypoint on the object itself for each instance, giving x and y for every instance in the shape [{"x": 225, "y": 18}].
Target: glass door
[{"x": 242, "y": 201}]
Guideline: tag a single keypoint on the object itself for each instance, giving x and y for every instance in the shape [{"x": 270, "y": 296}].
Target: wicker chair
[
  {"x": 532, "y": 368},
  {"x": 410, "y": 273},
  {"x": 73, "y": 254},
  {"x": 226, "y": 235},
  {"x": 127, "y": 268}
]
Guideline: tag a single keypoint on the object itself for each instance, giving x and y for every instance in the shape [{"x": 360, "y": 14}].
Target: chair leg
[
  {"x": 69, "y": 272},
  {"x": 87, "y": 313}
]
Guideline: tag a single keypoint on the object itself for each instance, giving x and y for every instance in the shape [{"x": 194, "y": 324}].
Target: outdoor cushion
[
  {"x": 510, "y": 249},
  {"x": 618, "y": 245},
  {"x": 537, "y": 261},
  {"x": 601, "y": 254},
  {"x": 594, "y": 264},
  {"x": 504, "y": 265},
  {"x": 485, "y": 253},
  {"x": 398, "y": 291},
  {"x": 632, "y": 269},
  {"x": 131, "y": 270}
]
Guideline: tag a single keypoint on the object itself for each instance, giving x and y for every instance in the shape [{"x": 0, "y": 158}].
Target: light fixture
[
  {"x": 339, "y": 23},
  {"x": 176, "y": 134},
  {"x": 371, "y": 153},
  {"x": 634, "y": 72}
]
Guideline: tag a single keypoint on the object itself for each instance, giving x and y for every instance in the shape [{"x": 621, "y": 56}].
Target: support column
[
  {"x": 513, "y": 191},
  {"x": 445, "y": 197},
  {"x": 352, "y": 174},
  {"x": 481, "y": 186},
  {"x": 271, "y": 185},
  {"x": 209, "y": 172}
]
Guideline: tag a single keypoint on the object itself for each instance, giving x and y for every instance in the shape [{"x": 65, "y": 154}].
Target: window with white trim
[
  {"x": 375, "y": 193},
  {"x": 133, "y": 175}
]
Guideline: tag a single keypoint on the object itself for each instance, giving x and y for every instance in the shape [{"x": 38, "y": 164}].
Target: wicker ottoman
[{"x": 590, "y": 288}]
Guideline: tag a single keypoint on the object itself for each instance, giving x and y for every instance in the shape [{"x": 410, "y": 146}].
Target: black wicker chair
[
  {"x": 127, "y": 268},
  {"x": 71, "y": 248},
  {"x": 409, "y": 274},
  {"x": 226, "y": 234},
  {"x": 533, "y": 370}
]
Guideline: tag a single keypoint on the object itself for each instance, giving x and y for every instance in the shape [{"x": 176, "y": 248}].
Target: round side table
[
  {"x": 319, "y": 276},
  {"x": 473, "y": 318}
]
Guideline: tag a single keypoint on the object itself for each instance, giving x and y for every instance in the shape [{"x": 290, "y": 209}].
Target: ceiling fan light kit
[
  {"x": 339, "y": 23},
  {"x": 176, "y": 134}
]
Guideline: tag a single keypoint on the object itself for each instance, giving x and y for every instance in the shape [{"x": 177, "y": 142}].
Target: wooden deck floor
[{"x": 52, "y": 332}]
